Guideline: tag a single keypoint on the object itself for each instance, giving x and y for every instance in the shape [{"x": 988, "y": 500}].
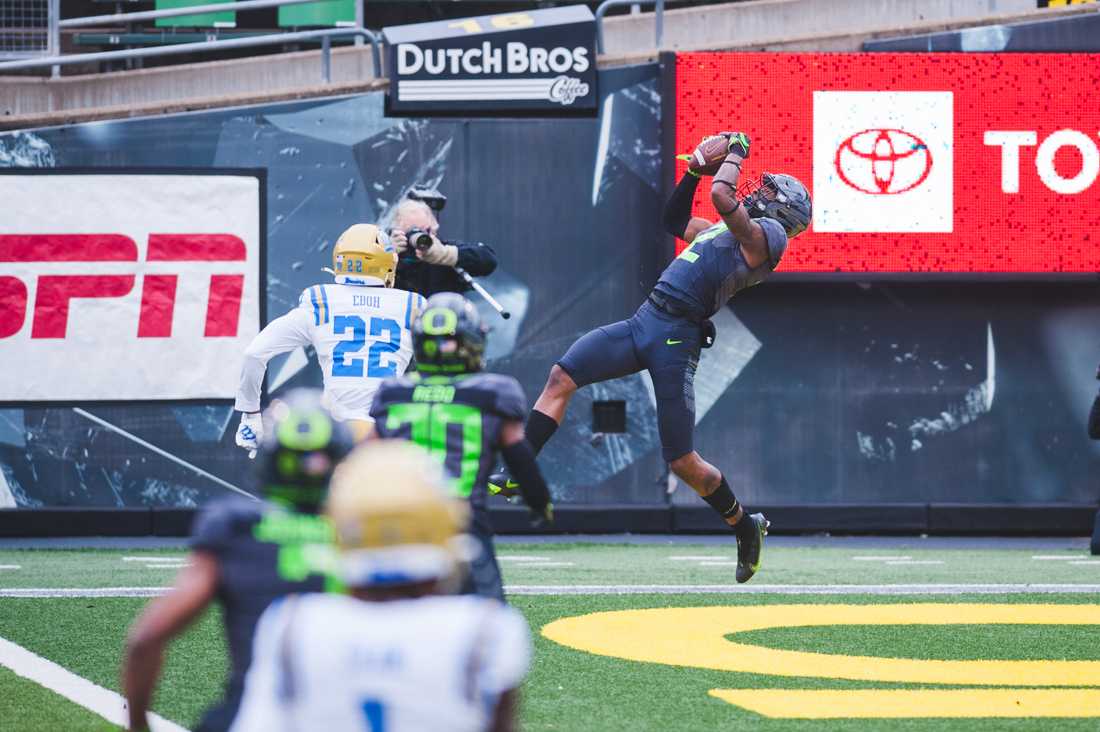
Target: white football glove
[{"x": 250, "y": 432}]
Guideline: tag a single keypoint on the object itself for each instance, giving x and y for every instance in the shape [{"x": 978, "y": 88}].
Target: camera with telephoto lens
[{"x": 419, "y": 239}]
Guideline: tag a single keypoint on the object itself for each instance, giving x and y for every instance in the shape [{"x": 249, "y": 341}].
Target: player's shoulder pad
[
  {"x": 776, "y": 236},
  {"x": 505, "y": 396},
  {"x": 394, "y": 390},
  {"x": 315, "y": 299},
  {"x": 222, "y": 520}
]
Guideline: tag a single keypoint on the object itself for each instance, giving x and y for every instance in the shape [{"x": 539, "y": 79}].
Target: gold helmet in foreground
[
  {"x": 393, "y": 517},
  {"x": 364, "y": 251}
]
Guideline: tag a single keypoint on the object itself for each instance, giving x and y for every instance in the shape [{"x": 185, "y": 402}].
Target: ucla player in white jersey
[
  {"x": 359, "y": 325},
  {"x": 393, "y": 654}
]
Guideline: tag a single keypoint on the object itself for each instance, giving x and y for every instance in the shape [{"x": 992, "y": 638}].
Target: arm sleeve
[
  {"x": 507, "y": 652},
  {"x": 520, "y": 459},
  {"x": 477, "y": 259},
  {"x": 279, "y": 336},
  {"x": 678, "y": 209}
]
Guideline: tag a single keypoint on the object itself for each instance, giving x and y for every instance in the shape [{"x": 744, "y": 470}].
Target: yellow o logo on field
[{"x": 696, "y": 637}]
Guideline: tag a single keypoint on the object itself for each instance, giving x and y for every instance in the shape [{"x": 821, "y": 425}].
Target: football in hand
[{"x": 709, "y": 154}]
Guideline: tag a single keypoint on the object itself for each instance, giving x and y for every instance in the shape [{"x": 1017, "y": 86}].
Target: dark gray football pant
[{"x": 484, "y": 576}]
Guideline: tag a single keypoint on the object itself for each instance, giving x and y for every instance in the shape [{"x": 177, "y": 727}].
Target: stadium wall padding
[
  {"x": 1080, "y": 33},
  {"x": 906, "y": 406}
]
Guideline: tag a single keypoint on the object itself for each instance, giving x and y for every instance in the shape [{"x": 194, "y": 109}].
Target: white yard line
[
  {"x": 753, "y": 589},
  {"x": 904, "y": 562},
  {"x": 521, "y": 558},
  {"x": 1055, "y": 557},
  {"x": 57, "y": 679},
  {"x": 181, "y": 558},
  {"x": 10, "y": 566},
  {"x": 718, "y": 564},
  {"x": 549, "y": 564},
  {"x": 730, "y": 589},
  {"x": 879, "y": 558},
  {"x": 84, "y": 592}
]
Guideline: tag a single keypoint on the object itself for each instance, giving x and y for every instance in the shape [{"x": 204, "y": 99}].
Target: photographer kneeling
[{"x": 427, "y": 264}]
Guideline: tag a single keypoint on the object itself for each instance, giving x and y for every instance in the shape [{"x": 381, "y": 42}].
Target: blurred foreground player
[
  {"x": 359, "y": 326},
  {"x": 666, "y": 334},
  {"x": 464, "y": 417},
  {"x": 395, "y": 655},
  {"x": 245, "y": 553}
]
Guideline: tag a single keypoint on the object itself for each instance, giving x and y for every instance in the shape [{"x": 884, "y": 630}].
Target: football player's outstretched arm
[
  {"x": 279, "y": 336},
  {"x": 520, "y": 459},
  {"x": 678, "y": 220},
  {"x": 164, "y": 619},
  {"x": 723, "y": 194}
]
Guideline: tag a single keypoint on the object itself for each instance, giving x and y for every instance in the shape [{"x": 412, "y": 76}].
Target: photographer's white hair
[{"x": 406, "y": 207}]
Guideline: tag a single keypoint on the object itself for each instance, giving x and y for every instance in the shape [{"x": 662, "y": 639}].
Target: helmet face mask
[
  {"x": 781, "y": 197},
  {"x": 448, "y": 336}
]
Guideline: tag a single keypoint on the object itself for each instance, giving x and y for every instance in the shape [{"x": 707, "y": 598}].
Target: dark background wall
[{"x": 822, "y": 392}]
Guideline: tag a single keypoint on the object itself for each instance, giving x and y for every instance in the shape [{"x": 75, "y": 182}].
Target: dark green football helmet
[
  {"x": 301, "y": 446},
  {"x": 448, "y": 336},
  {"x": 781, "y": 197}
]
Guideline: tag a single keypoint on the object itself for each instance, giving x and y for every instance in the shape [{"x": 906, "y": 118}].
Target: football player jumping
[
  {"x": 394, "y": 654},
  {"x": 359, "y": 326},
  {"x": 665, "y": 335}
]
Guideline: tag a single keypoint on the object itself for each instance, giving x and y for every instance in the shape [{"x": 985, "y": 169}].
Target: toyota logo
[{"x": 883, "y": 161}]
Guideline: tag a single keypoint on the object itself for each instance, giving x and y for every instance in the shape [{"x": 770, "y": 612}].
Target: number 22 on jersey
[{"x": 344, "y": 363}]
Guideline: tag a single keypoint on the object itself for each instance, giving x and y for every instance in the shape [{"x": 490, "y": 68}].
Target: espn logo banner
[
  {"x": 929, "y": 163},
  {"x": 127, "y": 286}
]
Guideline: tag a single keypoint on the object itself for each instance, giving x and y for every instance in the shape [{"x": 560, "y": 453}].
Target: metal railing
[
  {"x": 55, "y": 60},
  {"x": 659, "y": 19},
  {"x": 324, "y": 36},
  {"x": 190, "y": 10},
  {"x": 24, "y": 28}
]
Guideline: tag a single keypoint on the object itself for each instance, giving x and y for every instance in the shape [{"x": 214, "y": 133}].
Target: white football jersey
[
  {"x": 334, "y": 663},
  {"x": 362, "y": 336}
]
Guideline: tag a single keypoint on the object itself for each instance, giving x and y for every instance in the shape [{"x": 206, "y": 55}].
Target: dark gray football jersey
[
  {"x": 457, "y": 418},
  {"x": 261, "y": 553},
  {"x": 713, "y": 269}
]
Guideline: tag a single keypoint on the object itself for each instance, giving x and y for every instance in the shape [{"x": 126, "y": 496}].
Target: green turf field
[{"x": 1000, "y": 632}]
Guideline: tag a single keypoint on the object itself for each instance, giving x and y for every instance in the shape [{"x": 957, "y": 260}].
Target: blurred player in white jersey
[
  {"x": 392, "y": 655},
  {"x": 359, "y": 326}
]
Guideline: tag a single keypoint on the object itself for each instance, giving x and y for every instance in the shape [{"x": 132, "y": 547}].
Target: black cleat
[
  {"x": 501, "y": 484},
  {"x": 750, "y": 545}
]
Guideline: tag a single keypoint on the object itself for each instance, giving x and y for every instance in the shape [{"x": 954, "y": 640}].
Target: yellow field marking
[
  {"x": 913, "y": 703},
  {"x": 695, "y": 637}
]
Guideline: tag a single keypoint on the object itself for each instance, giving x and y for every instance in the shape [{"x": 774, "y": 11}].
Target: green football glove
[{"x": 738, "y": 144}]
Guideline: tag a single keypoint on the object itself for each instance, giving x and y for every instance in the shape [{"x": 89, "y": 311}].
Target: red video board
[{"x": 924, "y": 163}]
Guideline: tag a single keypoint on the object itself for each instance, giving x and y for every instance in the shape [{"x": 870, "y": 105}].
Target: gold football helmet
[
  {"x": 364, "y": 251},
  {"x": 393, "y": 517}
]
